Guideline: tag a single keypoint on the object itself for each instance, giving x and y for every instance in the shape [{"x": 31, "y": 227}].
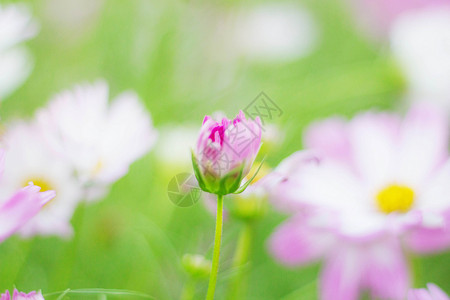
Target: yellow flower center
[
  {"x": 395, "y": 198},
  {"x": 43, "y": 184},
  {"x": 98, "y": 167}
]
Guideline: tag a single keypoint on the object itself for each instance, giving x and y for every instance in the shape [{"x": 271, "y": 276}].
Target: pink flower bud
[{"x": 225, "y": 152}]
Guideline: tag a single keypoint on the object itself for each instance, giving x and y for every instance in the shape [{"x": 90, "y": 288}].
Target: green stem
[
  {"x": 415, "y": 266},
  {"x": 189, "y": 290},
  {"x": 216, "y": 253},
  {"x": 241, "y": 257}
]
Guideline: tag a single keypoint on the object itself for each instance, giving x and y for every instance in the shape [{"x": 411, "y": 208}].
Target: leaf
[
  {"x": 63, "y": 294},
  {"x": 99, "y": 291},
  {"x": 245, "y": 185}
]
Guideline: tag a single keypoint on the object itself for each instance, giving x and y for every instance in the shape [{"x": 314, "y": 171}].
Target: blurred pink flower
[
  {"x": 225, "y": 152},
  {"x": 379, "y": 15},
  {"x": 100, "y": 139},
  {"x": 433, "y": 293},
  {"x": 18, "y": 209},
  {"x": 376, "y": 186},
  {"x": 22, "y": 296}
]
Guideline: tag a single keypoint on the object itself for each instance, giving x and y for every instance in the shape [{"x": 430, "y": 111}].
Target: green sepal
[
  {"x": 245, "y": 185},
  {"x": 218, "y": 185},
  {"x": 230, "y": 182},
  {"x": 198, "y": 173}
]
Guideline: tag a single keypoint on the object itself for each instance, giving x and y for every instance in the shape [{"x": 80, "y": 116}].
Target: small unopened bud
[
  {"x": 251, "y": 205},
  {"x": 197, "y": 266},
  {"x": 225, "y": 152}
]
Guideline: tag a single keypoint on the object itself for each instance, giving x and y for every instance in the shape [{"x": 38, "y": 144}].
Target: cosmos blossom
[
  {"x": 29, "y": 160},
  {"x": 225, "y": 152},
  {"x": 16, "y": 26},
  {"x": 432, "y": 293},
  {"x": 22, "y": 296},
  {"x": 363, "y": 192},
  {"x": 100, "y": 139}
]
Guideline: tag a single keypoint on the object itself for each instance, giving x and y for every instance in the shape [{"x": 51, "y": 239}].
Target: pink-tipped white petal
[
  {"x": 330, "y": 138},
  {"x": 340, "y": 278},
  {"x": 427, "y": 240},
  {"x": 386, "y": 274},
  {"x": 373, "y": 137},
  {"x": 423, "y": 144}
]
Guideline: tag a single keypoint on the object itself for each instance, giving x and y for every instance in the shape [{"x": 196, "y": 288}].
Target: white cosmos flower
[
  {"x": 29, "y": 160},
  {"x": 420, "y": 40},
  {"x": 270, "y": 33},
  {"x": 100, "y": 139},
  {"x": 275, "y": 32},
  {"x": 16, "y": 26}
]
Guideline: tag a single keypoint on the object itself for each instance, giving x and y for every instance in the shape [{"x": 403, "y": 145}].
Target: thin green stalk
[
  {"x": 415, "y": 265},
  {"x": 241, "y": 257},
  {"x": 216, "y": 253},
  {"x": 189, "y": 290}
]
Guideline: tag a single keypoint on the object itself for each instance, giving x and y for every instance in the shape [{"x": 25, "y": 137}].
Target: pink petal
[
  {"x": 275, "y": 182},
  {"x": 24, "y": 205},
  {"x": 293, "y": 243},
  {"x": 6, "y": 296},
  {"x": 419, "y": 294},
  {"x": 436, "y": 292},
  {"x": 386, "y": 274},
  {"x": 423, "y": 143},
  {"x": 294, "y": 162},
  {"x": 329, "y": 138},
  {"x": 24, "y": 296},
  {"x": 379, "y": 268},
  {"x": 426, "y": 240},
  {"x": 340, "y": 279},
  {"x": 433, "y": 293}
]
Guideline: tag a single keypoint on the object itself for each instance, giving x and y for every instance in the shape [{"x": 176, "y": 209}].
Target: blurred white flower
[
  {"x": 100, "y": 139},
  {"x": 16, "y": 26},
  {"x": 70, "y": 19},
  {"x": 420, "y": 41},
  {"x": 29, "y": 160},
  {"x": 273, "y": 32},
  {"x": 174, "y": 146}
]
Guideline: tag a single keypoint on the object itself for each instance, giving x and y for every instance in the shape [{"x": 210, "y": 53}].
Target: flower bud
[
  {"x": 197, "y": 266},
  {"x": 225, "y": 152},
  {"x": 250, "y": 205}
]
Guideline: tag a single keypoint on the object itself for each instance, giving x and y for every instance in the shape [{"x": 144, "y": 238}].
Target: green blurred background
[{"x": 135, "y": 237}]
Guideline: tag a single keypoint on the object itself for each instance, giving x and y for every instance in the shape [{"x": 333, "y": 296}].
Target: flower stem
[
  {"x": 237, "y": 284},
  {"x": 189, "y": 290},
  {"x": 216, "y": 252}
]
